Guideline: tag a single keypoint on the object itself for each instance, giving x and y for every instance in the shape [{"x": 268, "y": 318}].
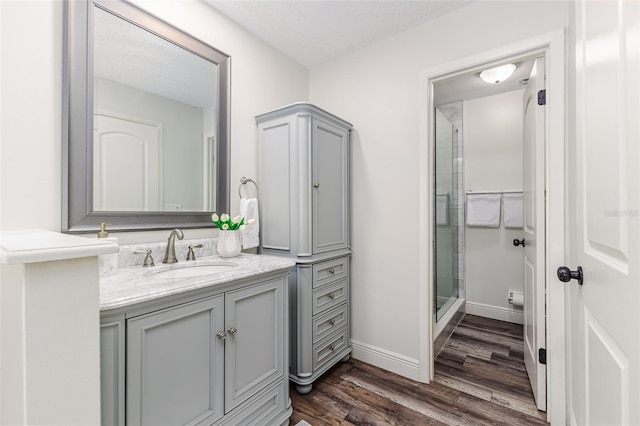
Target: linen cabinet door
[
  {"x": 254, "y": 345},
  {"x": 175, "y": 365},
  {"x": 330, "y": 196},
  {"x": 275, "y": 140}
]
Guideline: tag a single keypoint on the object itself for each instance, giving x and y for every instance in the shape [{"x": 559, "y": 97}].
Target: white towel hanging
[
  {"x": 484, "y": 210},
  {"x": 249, "y": 210},
  {"x": 513, "y": 205},
  {"x": 442, "y": 209}
]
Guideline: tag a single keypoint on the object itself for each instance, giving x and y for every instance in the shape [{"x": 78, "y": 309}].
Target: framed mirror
[{"x": 145, "y": 122}]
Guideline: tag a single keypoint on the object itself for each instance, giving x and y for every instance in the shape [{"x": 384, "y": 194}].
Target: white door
[
  {"x": 604, "y": 217},
  {"x": 534, "y": 234},
  {"x": 126, "y": 165}
]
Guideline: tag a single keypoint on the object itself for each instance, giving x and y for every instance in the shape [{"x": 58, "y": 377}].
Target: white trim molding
[
  {"x": 495, "y": 312},
  {"x": 552, "y": 46},
  {"x": 390, "y": 361}
]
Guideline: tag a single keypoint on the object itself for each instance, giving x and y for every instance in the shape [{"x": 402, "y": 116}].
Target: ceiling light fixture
[{"x": 498, "y": 74}]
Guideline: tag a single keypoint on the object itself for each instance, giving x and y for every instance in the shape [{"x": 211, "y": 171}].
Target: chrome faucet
[{"x": 170, "y": 253}]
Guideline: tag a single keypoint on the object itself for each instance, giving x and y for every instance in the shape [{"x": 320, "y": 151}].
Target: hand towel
[
  {"x": 442, "y": 209},
  {"x": 483, "y": 210},
  {"x": 249, "y": 210},
  {"x": 513, "y": 210}
]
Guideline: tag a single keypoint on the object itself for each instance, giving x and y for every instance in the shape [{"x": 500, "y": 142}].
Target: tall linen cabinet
[{"x": 303, "y": 172}]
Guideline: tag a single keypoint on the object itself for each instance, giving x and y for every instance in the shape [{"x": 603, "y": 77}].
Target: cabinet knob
[
  {"x": 221, "y": 335},
  {"x": 332, "y": 347},
  {"x": 232, "y": 331},
  {"x": 332, "y": 271},
  {"x": 332, "y": 296},
  {"x": 332, "y": 322},
  {"x": 316, "y": 185}
]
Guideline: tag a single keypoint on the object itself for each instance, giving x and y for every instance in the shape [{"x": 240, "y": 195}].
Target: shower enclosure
[{"x": 449, "y": 214}]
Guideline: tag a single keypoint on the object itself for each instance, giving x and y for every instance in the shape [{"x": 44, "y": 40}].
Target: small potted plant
[{"x": 229, "y": 236}]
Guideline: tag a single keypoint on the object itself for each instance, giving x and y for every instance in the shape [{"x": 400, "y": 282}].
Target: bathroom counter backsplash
[
  {"x": 126, "y": 258},
  {"x": 137, "y": 284}
]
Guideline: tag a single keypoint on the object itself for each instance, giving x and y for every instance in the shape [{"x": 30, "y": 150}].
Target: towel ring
[{"x": 244, "y": 181}]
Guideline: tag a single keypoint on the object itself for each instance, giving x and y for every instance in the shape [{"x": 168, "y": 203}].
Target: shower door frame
[{"x": 552, "y": 46}]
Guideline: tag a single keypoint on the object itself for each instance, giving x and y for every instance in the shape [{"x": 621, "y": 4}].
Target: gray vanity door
[
  {"x": 167, "y": 352},
  {"x": 112, "y": 361},
  {"x": 254, "y": 344},
  {"x": 330, "y": 171}
]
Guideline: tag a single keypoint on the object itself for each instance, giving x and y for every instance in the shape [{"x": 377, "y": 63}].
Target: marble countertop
[
  {"x": 39, "y": 245},
  {"x": 137, "y": 284}
]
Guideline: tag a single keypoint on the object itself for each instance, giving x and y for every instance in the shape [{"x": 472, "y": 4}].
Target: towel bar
[{"x": 508, "y": 191}]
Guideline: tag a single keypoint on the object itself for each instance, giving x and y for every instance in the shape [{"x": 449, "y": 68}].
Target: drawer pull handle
[
  {"x": 332, "y": 296},
  {"x": 332, "y": 347},
  {"x": 232, "y": 331},
  {"x": 332, "y": 322},
  {"x": 221, "y": 335},
  {"x": 332, "y": 271}
]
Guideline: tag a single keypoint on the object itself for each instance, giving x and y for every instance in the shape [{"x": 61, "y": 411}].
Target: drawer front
[
  {"x": 325, "y": 350},
  {"x": 326, "y": 323},
  {"x": 330, "y": 271},
  {"x": 330, "y": 296}
]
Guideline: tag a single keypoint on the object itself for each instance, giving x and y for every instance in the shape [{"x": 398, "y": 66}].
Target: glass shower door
[{"x": 445, "y": 220}]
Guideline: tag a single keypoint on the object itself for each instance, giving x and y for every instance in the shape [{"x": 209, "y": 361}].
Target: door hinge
[
  {"x": 542, "y": 356},
  {"x": 542, "y": 97}
]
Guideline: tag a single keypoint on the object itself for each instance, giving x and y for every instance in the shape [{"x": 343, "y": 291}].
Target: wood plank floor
[{"x": 480, "y": 380}]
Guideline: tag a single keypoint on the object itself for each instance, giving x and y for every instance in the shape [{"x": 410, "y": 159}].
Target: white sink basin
[{"x": 185, "y": 271}]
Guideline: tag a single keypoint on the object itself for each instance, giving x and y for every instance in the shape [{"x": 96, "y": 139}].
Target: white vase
[{"x": 229, "y": 243}]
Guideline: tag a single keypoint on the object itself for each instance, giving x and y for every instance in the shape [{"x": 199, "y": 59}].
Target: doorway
[{"x": 551, "y": 47}]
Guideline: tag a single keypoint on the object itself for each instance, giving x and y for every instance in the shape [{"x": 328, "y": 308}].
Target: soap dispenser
[{"x": 107, "y": 263}]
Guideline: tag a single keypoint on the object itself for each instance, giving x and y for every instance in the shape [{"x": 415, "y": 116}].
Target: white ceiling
[
  {"x": 314, "y": 32},
  {"x": 311, "y": 32},
  {"x": 470, "y": 86}
]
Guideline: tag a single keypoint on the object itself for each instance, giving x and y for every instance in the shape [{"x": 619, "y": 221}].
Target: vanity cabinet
[
  {"x": 215, "y": 359},
  {"x": 303, "y": 173},
  {"x": 175, "y": 365}
]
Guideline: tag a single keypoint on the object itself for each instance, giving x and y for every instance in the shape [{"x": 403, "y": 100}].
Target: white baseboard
[
  {"x": 495, "y": 312},
  {"x": 390, "y": 361}
]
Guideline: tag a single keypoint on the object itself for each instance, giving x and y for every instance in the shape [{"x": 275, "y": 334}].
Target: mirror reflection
[
  {"x": 156, "y": 101},
  {"x": 154, "y": 122}
]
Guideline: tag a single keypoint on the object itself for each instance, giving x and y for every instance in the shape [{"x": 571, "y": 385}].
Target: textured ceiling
[
  {"x": 470, "y": 86},
  {"x": 310, "y": 31},
  {"x": 316, "y": 31}
]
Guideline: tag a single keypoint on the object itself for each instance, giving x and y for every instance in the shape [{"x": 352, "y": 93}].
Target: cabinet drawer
[
  {"x": 326, "y": 323},
  {"x": 329, "y": 296},
  {"x": 330, "y": 271},
  {"x": 325, "y": 350}
]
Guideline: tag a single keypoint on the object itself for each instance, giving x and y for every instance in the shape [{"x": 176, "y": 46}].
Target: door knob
[
  {"x": 517, "y": 242},
  {"x": 565, "y": 274}
]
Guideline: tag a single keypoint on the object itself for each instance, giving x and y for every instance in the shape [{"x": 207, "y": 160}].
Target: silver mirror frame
[{"x": 78, "y": 215}]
